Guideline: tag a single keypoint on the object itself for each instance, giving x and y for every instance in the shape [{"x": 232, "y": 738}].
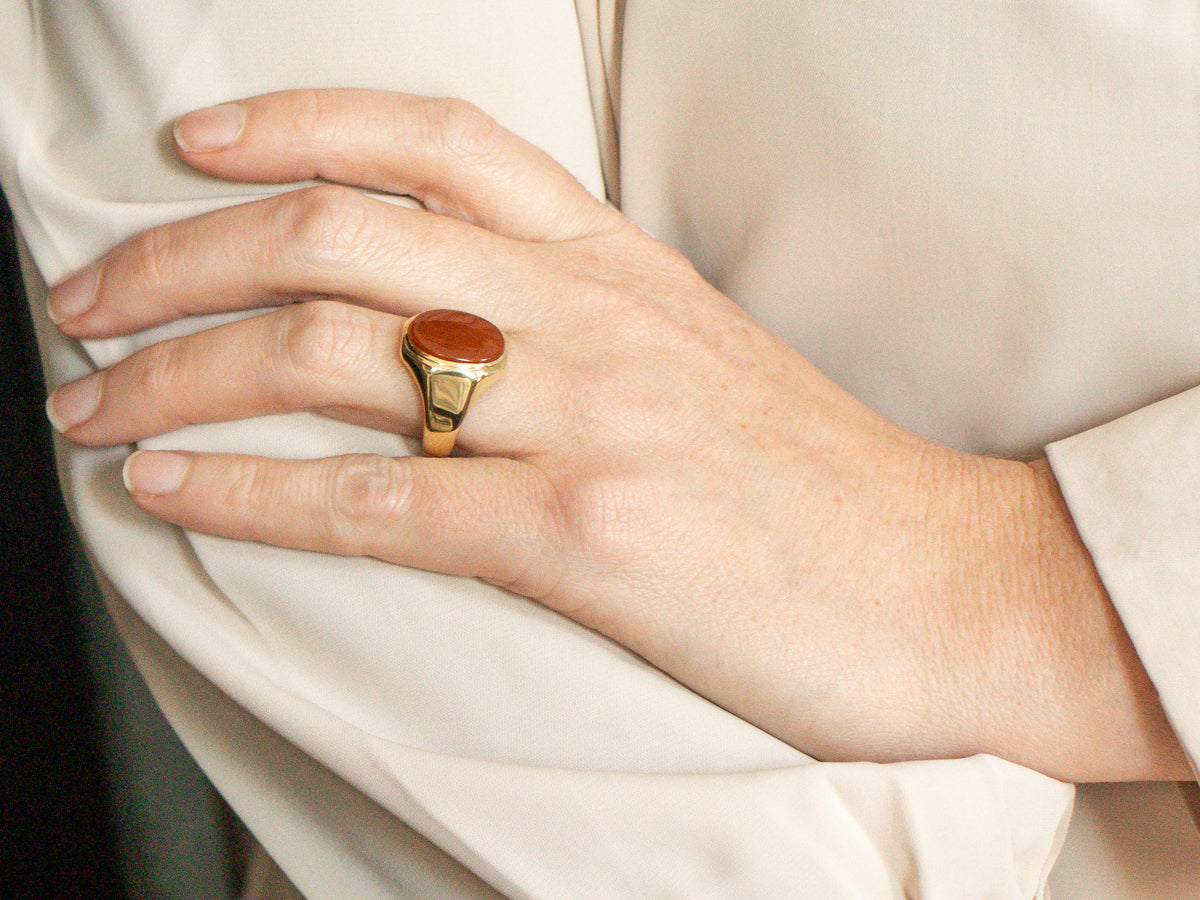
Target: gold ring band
[{"x": 454, "y": 356}]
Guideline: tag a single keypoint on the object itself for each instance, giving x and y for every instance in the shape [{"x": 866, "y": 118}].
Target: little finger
[{"x": 489, "y": 518}]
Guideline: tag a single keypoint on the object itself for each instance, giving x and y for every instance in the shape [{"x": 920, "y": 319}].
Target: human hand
[{"x": 653, "y": 464}]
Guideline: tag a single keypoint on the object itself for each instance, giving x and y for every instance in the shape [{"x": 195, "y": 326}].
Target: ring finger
[{"x": 322, "y": 356}]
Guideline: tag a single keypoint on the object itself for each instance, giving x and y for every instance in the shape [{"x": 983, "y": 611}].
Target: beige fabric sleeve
[{"x": 1133, "y": 487}]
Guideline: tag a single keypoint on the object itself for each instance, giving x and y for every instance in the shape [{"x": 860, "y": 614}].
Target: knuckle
[
  {"x": 246, "y": 488},
  {"x": 367, "y": 496},
  {"x": 324, "y": 227},
  {"x": 605, "y": 519},
  {"x": 324, "y": 340},
  {"x": 162, "y": 370},
  {"x": 460, "y": 129},
  {"x": 152, "y": 257},
  {"x": 321, "y": 116}
]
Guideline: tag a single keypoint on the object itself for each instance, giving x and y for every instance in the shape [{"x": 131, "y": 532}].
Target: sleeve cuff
[{"x": 1133, "y": 489}]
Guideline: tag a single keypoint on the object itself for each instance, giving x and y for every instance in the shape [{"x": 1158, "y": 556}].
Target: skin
[{"x": 653, "y": 463}]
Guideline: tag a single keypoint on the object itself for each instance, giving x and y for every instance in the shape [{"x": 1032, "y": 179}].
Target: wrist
[{"x": 1074, "y": 700}]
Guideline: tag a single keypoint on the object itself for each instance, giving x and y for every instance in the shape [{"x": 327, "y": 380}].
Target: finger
[
  {"x": 447, "y": 153},
  {"x": 323, "y": 356},
  {"x": 487, "y": 517},
  {"x": 324, "y": 241}
]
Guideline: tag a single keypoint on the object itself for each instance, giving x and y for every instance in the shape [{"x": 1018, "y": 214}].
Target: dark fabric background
[{"x": 57, "y": 837}]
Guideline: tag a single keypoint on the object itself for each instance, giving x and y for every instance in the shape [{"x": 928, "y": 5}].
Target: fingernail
[
  {"x": 74, "y": 403},
  {"x": 75, "y": 296},
  {"x": 154, "y": 472},
  {"x": 210, "y": 129}
]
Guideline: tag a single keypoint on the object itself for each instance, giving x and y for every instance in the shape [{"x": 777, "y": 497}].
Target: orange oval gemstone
[{"x": 456, "y": 336}]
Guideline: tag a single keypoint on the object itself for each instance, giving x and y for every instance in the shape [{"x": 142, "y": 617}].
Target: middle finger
[{"x": 327, "y": 241}]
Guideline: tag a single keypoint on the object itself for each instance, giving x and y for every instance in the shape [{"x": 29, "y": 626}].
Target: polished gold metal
[{"x": 447, "y": 388}]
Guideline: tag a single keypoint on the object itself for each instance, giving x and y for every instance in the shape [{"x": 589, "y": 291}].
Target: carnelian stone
[{"x": 456, "y": 336}]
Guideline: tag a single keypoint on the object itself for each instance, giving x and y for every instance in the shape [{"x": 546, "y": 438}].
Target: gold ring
[{"x": 454, "y": 356}]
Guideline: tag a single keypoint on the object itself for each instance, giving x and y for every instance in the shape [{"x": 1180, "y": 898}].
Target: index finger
[{"x": 446, "y": 153}]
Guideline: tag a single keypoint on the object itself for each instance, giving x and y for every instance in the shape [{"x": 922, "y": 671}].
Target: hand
[{"x": 653, "y": 464}]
